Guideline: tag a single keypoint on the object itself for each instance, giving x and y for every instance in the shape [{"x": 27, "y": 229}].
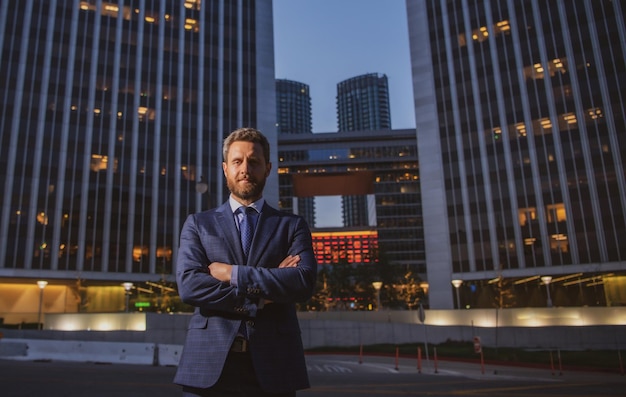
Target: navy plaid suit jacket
[{"x": 273, "y": 329}]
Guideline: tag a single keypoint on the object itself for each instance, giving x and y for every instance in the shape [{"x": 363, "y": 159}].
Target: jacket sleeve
[
  {"x": 288, "y": 285},
  {"x": 196, "y": 287}
]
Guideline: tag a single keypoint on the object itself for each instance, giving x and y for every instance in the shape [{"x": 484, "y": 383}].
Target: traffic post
[{"x": 479, "y": 350}]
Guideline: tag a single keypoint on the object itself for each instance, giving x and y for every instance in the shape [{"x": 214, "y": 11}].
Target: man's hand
[
  {"x": 290, "y": 261},
  {"x": 221, "y": 271}
]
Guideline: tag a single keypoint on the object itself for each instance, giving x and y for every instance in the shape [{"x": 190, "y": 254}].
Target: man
[{"x": 243, "y": 338}]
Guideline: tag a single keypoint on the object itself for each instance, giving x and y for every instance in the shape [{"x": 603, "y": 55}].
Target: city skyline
[{"x": 336, "y": 41}]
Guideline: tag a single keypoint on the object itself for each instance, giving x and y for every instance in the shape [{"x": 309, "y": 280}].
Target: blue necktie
[
  {"x": 246, "y": 228},
  {"x": 246, "y": 232}
]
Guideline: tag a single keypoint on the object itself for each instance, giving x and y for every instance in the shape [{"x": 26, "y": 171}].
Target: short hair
[{"x": 247, "y": 134}]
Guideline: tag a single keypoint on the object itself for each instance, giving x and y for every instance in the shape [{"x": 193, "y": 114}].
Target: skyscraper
[
  {"x": 293, "y": 107},
  {"x": 520, "y": 118},
  {"x": 110, "y": 113},
  {"x": 363, "y": 103}
]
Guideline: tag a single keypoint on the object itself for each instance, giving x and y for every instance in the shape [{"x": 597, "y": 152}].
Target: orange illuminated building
[{"x": 352, "y": 247}]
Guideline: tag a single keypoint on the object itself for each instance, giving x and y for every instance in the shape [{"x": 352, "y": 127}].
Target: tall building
[
  {"x": 379, "y": 168},
  {"x": 110, "y": 115},
  {"x": 293, "y": 112},
  {"x": 293, "y": 107},
  {"x": 520, "y": 118},
  {"x": 363, "y": 103}
]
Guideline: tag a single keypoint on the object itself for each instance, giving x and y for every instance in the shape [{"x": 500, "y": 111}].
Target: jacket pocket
[{"x": 198, "y": 322}]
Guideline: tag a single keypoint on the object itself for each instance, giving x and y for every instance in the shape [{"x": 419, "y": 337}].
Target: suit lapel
[
  {"x": 266, "y": 225},
  {"x": 226, "y": 222}
]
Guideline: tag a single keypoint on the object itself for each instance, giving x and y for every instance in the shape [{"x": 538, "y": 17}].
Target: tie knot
[{"x": 247, "y": 211}]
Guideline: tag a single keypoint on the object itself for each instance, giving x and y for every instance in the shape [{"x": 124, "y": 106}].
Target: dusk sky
[{"x": 323, "y": 42}]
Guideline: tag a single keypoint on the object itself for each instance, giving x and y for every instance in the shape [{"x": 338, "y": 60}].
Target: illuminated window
[
  {"x": 595, "y": 113},
  {"x": 526, "y": 215},
  {"x": 42, "y": 218},
  {"x": 139, "y": 253},
  {"x": 99, "y": 162},
  {"x": 146, "y": 113},
  {"x": 538, "y": 70},
  {"x": 556, "y": 213},
  {"x": 559, "y": 243},
  {"x": 351, "y": 247}
]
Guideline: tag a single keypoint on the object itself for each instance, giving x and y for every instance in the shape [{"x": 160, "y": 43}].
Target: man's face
[{"x": 246, "y": 170}]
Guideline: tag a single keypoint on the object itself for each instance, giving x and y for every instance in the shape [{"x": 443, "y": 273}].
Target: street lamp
[
  {"x": 41, "y": 284},
  {"x": 457, "y": 284},
  {"x": 202, "y": 187},
  {"x": 377, "y": 285},
  {"x": 547, "y": 280},
  {"x": 127, "y": 288}
]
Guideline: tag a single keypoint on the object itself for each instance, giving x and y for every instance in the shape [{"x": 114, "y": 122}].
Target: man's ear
[
  {"x": 268, "y": 169},
  {"x": 224, "y": 166}
]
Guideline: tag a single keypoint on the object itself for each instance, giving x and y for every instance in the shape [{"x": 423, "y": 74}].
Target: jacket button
[{"x": 250, "y": 323}]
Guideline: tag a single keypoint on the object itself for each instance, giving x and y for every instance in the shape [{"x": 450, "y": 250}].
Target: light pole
[
  {"x": 377, "y": 286},
  {"x": 457, "y": 284},
  {"x": 127, "y": 288},
  {"x": 547, "y": 280},
  {"x": 41, "y": 284}
]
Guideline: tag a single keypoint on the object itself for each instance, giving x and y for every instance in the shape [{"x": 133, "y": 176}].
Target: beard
[{"x": 251, "y": 192}]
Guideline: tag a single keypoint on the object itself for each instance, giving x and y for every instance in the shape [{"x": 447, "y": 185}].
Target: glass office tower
[
  {"x": 520, "y": 117},
  {"x": 293, "y": 107},
  {"x": 110, "y": 115},
  {"x": 363, "y": 103}
]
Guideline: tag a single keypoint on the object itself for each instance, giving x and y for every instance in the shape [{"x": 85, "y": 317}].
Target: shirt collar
[{"x": 234, "y": 204}]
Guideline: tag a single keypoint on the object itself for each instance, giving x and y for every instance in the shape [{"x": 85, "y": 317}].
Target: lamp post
[
  {"x": 547, "y": 280},
  {"x": 457, "y": 284},
  {"x": 377, "y": 286},
  {"x": 127, "y": 288},
  {"x": 41, "y": 284}
]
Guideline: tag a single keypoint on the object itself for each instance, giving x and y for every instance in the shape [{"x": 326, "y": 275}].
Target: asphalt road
[{"x": 331, "y": 376}]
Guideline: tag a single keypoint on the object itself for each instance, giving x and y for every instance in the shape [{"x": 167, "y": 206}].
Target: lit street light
[
  {"x": 377, "y": 285},
  {"x": 547, "y": 280},
  {"x": 41, "y": 284},
  {"x": 201, "y": 186},
  {"x": 127, "y": 287},
  {"x": 457, "y": 284}
]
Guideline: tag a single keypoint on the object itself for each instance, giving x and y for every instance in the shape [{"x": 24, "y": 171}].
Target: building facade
[
  {"x": 520, "y": 118},
  {"x": 293, "y": 107},
  {"x": 110, "y": 115},
  {"x": 378, "y": 167},
  {"x": 363, "y": 103}
]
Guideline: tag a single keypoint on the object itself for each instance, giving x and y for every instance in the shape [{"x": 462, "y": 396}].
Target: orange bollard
[
  {"x": 435, "y": 353},
  {"x": 482, "y": 362},
  {"x": 419, "y": 360}
]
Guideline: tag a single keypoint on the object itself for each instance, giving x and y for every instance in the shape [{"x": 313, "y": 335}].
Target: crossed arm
[{"x": 223, "y": 271}]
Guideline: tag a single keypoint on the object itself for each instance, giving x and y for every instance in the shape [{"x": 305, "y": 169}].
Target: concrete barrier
[
  {"x": 82, "y": 351},
  {"x": 169, "y": 355}
]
